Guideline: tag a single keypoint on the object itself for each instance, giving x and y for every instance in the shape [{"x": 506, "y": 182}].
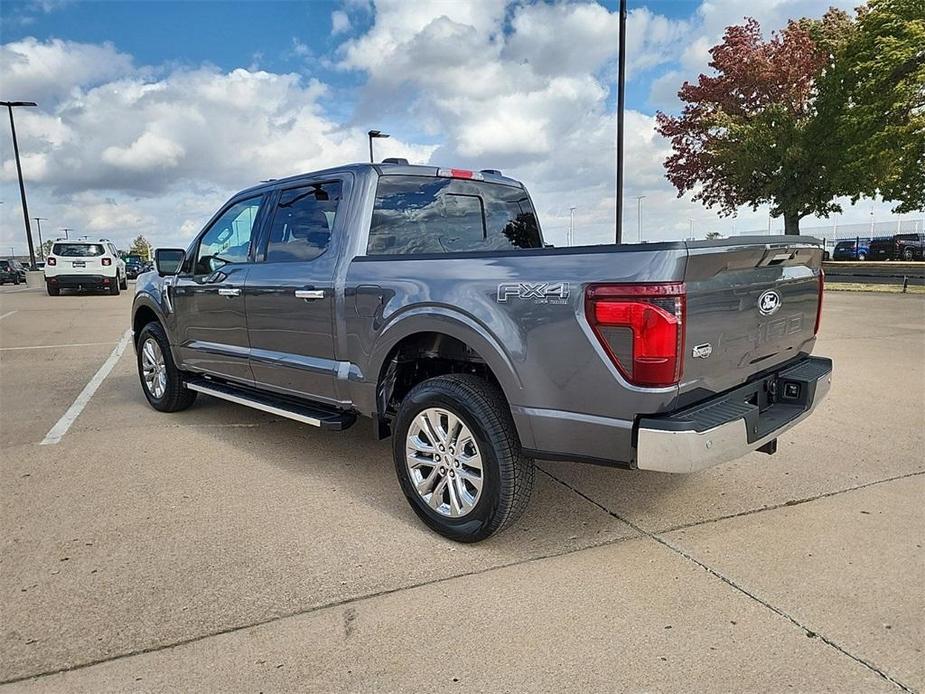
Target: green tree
[
  {"x": 141, "y": 246},
  {"x": 46, "y": 248},
  {"x": 879, "y": 78},
  {"x": 750, "y": 134},
  {"x": 711, "y": 235}
]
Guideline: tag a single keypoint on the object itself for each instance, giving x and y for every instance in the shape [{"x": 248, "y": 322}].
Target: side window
[
  {"x": 228, "y": 239},
  {"x": 418, "y": 214},
  {"x": 302, "y": 223}
]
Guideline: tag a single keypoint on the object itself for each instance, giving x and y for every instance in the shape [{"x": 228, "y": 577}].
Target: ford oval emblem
[{"x": 769, "y": 302}]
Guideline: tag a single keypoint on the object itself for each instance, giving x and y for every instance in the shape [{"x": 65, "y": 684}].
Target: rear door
[
  {"x": 290, "y": 291},
  {"x": 750, "y": 307},
  {"x": 209, "y": 293}
]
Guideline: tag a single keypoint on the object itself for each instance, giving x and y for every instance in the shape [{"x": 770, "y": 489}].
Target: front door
[
  {"x": 209, "y": 295},
  {"x": 290, "y": 294}
]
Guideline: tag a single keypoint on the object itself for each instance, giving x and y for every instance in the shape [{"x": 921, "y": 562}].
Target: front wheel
[
  {"x": 908, "y": 254},
  {"x": 458, "y": 458},
  {"x": 862, "y": 256},
  {"x": 161, "y": 380}
]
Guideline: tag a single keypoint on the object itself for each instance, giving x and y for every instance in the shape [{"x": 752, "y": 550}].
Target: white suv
[{"x": 84, "y": 264}]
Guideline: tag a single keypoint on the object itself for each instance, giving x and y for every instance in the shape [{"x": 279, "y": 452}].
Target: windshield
[
  {"x": 77, "y": 250},
  {"x": 5, "y": 264}
]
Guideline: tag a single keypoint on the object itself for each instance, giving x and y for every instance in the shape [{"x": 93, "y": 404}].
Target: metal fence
[{"x": 835, "y": 232}]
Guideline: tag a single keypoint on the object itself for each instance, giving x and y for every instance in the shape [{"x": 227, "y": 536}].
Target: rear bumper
[
  {"x": 729, "y": 425},
  {"x": 77, "y": 281}
]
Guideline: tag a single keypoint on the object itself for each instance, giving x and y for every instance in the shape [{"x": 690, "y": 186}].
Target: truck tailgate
[{"x": 751, "y": 305}]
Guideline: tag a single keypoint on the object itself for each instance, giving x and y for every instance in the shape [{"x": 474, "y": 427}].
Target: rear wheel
[
  {"x": 124, "y": 283},
  {"x": 862, "y": 256},
  {"x": 161, "y": 380},
  {"x": 908, "y": 254},
  {"x": 458, "y": 458},
  {"x": 53, "y": 291},
  {"x": 114, "y": 286}
]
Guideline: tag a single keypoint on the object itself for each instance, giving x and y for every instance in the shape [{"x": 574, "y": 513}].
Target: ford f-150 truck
[{"x": 426, "y": 300}]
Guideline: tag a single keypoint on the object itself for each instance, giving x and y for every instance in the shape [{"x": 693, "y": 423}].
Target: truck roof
[{"x": 390, "y": 168}]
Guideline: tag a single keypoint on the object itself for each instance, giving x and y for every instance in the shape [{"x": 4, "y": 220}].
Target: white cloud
[
  {"x": 47, "y": 71},
  {"x": 340, "y": 22}
]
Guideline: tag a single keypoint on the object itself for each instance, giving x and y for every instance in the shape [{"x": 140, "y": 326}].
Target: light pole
[
  {"x": 639, "y": 199},
  {"x": 571, "y": 225},
  {"x": 65, "y": 230},
  {"x": 621, "y": 101},
  {"x": 373, "y": 134},
  {"x": 10, "y": 105},
  {"x": 38, "y": 228}
]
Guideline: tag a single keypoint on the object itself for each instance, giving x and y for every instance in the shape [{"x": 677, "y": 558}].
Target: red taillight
[
  {"x": 641, "y": 326},
  {"x": 107, "y": 261},
  {"x": 50, "y": 261},
  {"x": 819, "y": 305}
]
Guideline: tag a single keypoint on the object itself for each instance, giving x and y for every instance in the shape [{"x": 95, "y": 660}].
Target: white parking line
[
  {"x": 73, "y": 412},
  {"x": 8, "y": 313},
  {"x": 24, "y": 289},
  {"x": 76, "y": 344}
]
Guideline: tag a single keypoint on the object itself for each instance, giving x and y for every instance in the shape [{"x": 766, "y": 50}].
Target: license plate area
[{"x": 79, "y": 263}]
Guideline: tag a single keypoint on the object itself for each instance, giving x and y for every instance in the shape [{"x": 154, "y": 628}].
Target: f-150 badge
[{"x": 538, "y": 292}]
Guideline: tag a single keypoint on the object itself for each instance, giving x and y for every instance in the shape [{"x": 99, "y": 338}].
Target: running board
[{"x": 307, "y": 413}]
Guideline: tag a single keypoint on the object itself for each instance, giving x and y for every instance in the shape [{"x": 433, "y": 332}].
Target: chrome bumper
[{"x": 679, "y": 446}]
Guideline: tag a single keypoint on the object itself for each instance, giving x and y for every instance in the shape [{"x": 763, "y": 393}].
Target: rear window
[
  {"x": 424, "y": 214},
  {"x": 907, "y": 237},
  {"x": 77, "y": 250},
  {"x": 845, "y": 244}
]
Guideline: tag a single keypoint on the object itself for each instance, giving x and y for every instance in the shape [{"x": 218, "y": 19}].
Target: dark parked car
[
  {"x": 425, "y": 299},
  {"x": 898, "y": 247},
  {"x": 853, "y": 249},
  {"x": 9, "y": 272},
  {"x": 134, "y": 266}
]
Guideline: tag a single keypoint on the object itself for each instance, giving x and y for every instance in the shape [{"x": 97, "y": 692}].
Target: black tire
[
  {"x": 176, "y": 396},
  {"x": 16, "y": 281},
  {"x": 124, "y": 283},
  {"x": 862, "y": 256},
  {"x": 114, "y": 287},
  {"x": 507, "y": 474},
  {"x": 908, "y": 254},
  {"x": 53, "y": 291}
]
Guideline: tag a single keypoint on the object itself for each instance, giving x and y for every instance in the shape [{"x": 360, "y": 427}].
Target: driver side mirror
[{"x": 168, "y": 260}]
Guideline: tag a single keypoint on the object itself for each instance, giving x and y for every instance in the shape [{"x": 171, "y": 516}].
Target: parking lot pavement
[{"x": 223, "y": 549}]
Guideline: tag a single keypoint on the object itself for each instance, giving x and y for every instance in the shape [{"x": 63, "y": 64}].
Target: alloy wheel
[
  {"x": 154, "y": 370},
  {"x": 444, "y": 462}
]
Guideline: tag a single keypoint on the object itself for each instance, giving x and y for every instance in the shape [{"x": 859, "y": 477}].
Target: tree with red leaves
[{"x": 750, "y": 134}]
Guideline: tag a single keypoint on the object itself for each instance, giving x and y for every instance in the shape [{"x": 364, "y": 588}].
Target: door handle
[
  {"x": 229, "y": 291},
  {"x": 309, "y": 294}
]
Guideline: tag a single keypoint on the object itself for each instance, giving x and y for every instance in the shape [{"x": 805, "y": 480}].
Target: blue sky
[{"x": 152, "y": 113}]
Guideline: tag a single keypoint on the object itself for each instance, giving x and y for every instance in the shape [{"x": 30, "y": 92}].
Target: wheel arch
[{"x": 447, "y": 342}]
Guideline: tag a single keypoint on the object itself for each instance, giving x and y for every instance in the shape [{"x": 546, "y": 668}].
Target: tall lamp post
[
  {"x": 38, "y": 228},
  {"x": 571, "y": 225},
  {"x": 639, "y": 199},
  {"x": 621, "y": 101},
  {"x": 373, "y": 134},
  {"x": 65, "y": 230},
  {"x": 10, "y": 105}
]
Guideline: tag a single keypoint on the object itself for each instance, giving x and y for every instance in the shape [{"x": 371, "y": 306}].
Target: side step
[{"x": 316, "y": 415}]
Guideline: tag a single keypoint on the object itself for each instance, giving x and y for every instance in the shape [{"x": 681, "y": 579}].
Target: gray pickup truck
[{"x": 426, "y": 300}]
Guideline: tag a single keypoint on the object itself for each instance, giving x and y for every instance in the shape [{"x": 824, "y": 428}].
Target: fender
[{"x": 456, "y": 324}]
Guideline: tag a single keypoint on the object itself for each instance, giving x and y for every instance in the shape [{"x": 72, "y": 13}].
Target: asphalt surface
[{"x": 223, "y": 549}]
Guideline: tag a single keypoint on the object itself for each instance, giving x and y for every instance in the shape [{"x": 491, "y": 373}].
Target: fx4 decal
[{"x": 538, "y": 292}]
